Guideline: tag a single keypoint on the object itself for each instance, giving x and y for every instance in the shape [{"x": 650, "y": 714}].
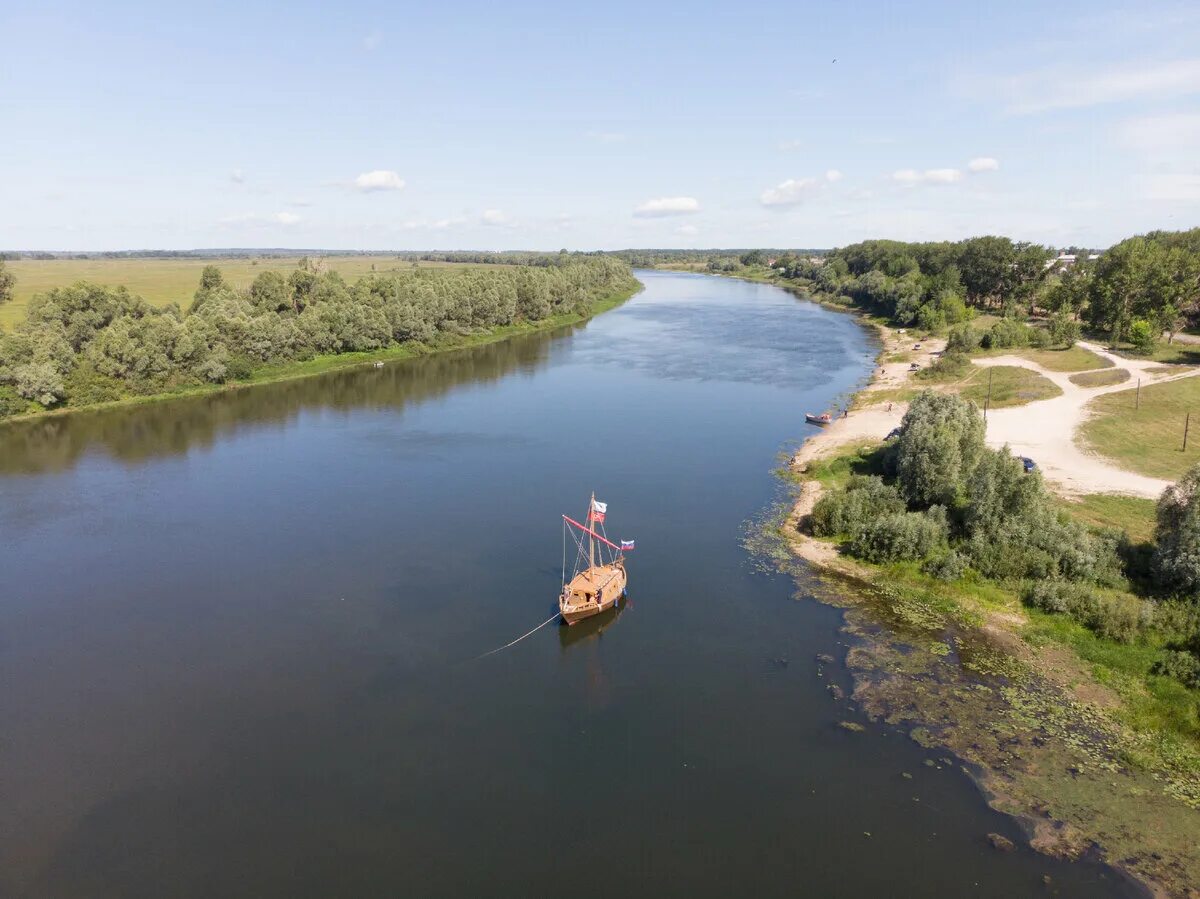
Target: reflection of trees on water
[{"x": 137, "y": 433}]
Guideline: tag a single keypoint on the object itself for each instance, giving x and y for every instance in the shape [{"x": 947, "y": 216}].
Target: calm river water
[{"x": 238, "y": 637}]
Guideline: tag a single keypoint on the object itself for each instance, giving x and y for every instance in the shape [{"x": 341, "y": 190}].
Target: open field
[
  {"x": 1076, "y": 358},
  {"x": 1101, "y": 377},
  {"x": 1010, "y": 386},
  {"x": 162, "y": 281},
  {"x": 1167, "y": 353},
  {"x": 1132, "y": 514},
  {"x": 1149, "y": 439}
]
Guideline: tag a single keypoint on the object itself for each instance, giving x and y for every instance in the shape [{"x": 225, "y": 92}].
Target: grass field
[
  {"x": 1100, "y": 378},
  {"x": 1149, "y": 439},
  {"x": 161, "y": 281},
  {"x": 1010, "y": 386},
  {"x": 1074, "y": 359},
  {"x": 1168, "y": 353},
  {"x": 1131, "y": 514}
]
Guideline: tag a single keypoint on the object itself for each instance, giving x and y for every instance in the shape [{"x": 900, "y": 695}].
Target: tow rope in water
[{"x": 518, "y": 640}]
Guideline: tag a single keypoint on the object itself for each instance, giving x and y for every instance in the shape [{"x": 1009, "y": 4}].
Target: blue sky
[{"x": 529, "y": 125}]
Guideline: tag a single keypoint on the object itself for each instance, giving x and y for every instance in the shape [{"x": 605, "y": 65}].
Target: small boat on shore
[
  {"x": 598, "y": 580},
  {"x": 823, "y": 419}
]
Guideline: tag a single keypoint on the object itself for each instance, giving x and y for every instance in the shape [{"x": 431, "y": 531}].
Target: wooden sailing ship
[{"x": 598, "y": 579}]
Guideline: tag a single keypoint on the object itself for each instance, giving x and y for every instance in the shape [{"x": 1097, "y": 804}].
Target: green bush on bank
[
  {"x": 902, "y": 536},
  {"x": 89, "y": 343},
  {"x": 864, "y": 499},
  {"x": 1118, "y": 617}
]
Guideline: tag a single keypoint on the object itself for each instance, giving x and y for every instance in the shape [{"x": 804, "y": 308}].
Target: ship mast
[{"x": 591, "y": 520}]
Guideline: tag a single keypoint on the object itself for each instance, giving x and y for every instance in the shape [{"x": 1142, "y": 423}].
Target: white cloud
[
  {"x": 372, "y": 40},
  {"x": 237, "y": 176},
  {"x": 286, "y": 218},
  {"x": 833, "y": 175},
  {"x": 983, "y": 164},
  {"x": 929, "y": 176},
  {"x": 791, "y": 192},
  {"x": 380, "y": 179},
  {"x": 789, "y": 145},
  {"x": 494, "y": 218},
  {"x": 687, "y": 230},
  {"x": 299, "y": 202},
  {"x": 1063, "y": 89},
  {"x": 665, "y": 206}
]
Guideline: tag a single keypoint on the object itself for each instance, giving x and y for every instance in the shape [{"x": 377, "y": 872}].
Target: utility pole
[
  {"x": 988, "y": 402},
  {"x": 1137, "y": 397},
  {"x": 1187, "y": 421}
]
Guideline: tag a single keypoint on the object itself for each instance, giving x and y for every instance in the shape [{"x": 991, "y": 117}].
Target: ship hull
[{"x": 591, "y": 592}]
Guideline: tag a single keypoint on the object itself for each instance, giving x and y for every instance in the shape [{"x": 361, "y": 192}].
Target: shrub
[
  {"x": 847, "y": 511},
  {"x": 1039, "y": 338},
  {"x": 1141, "y": 335},
  {"x": 963, "y": 339},
  {"x": 238, "y": 368},
  {"x": 85, "y": 386},
  {"x": 1006, "y": 333},
  {"x": 40, "y": 382},
  {"x": 1064, "y": 330},
  {"x": 10, "y": 403},
  {"x": 941, "y": 437},
  {"x": 1176, "y": 564},
  {"x": 1115, "y": 617},
  {"x": 1182, "y": 666},
  {"x": 949, "y": 567},
  {"x": 951, "y": 366},
  {"x": 902, "y": 536}
]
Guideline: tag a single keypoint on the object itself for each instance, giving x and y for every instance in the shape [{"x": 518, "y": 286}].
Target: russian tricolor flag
[{"x": 626, "y": 545}]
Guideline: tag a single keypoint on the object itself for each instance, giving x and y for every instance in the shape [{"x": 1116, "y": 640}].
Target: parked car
[
  {"x": 892, "y": 434},
  {"x": 1029, "y": 464}
]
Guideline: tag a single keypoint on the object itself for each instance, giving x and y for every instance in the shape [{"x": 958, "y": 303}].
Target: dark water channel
[{"x": 237, "y": 632}]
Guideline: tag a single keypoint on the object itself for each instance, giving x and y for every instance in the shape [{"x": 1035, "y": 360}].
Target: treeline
[
  {"x": 930, "y": 285},
  {"x": 90, "y": 343},
  {"x": 713, "y": 259},
  {"x": 1132, "y": 292},
  {"x": 950, "y": 504}
]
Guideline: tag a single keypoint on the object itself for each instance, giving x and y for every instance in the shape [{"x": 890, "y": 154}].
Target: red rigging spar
[{"x": 599, "y": 578}]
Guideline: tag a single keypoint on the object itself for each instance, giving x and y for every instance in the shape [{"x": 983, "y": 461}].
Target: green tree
[
  {"x": 270, "y": 292},
  {"x": 986, "y": 265},
  {"x": 7, "y": 282},
  {"x": 1177, "y": 536},
  {"x": 941, "y": 439},
  {"x": 211, "y": 281}
]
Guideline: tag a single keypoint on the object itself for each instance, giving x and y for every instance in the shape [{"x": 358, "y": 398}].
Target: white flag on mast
[{"x": 598, "y": 510}]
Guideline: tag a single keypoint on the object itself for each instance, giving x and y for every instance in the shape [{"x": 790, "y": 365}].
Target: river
[{"x": 239, "y": 637}]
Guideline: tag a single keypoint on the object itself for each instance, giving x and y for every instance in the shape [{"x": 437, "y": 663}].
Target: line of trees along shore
[
  {"x": 90, "y": 343},
  {"x": 1134, "y": 291}
]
